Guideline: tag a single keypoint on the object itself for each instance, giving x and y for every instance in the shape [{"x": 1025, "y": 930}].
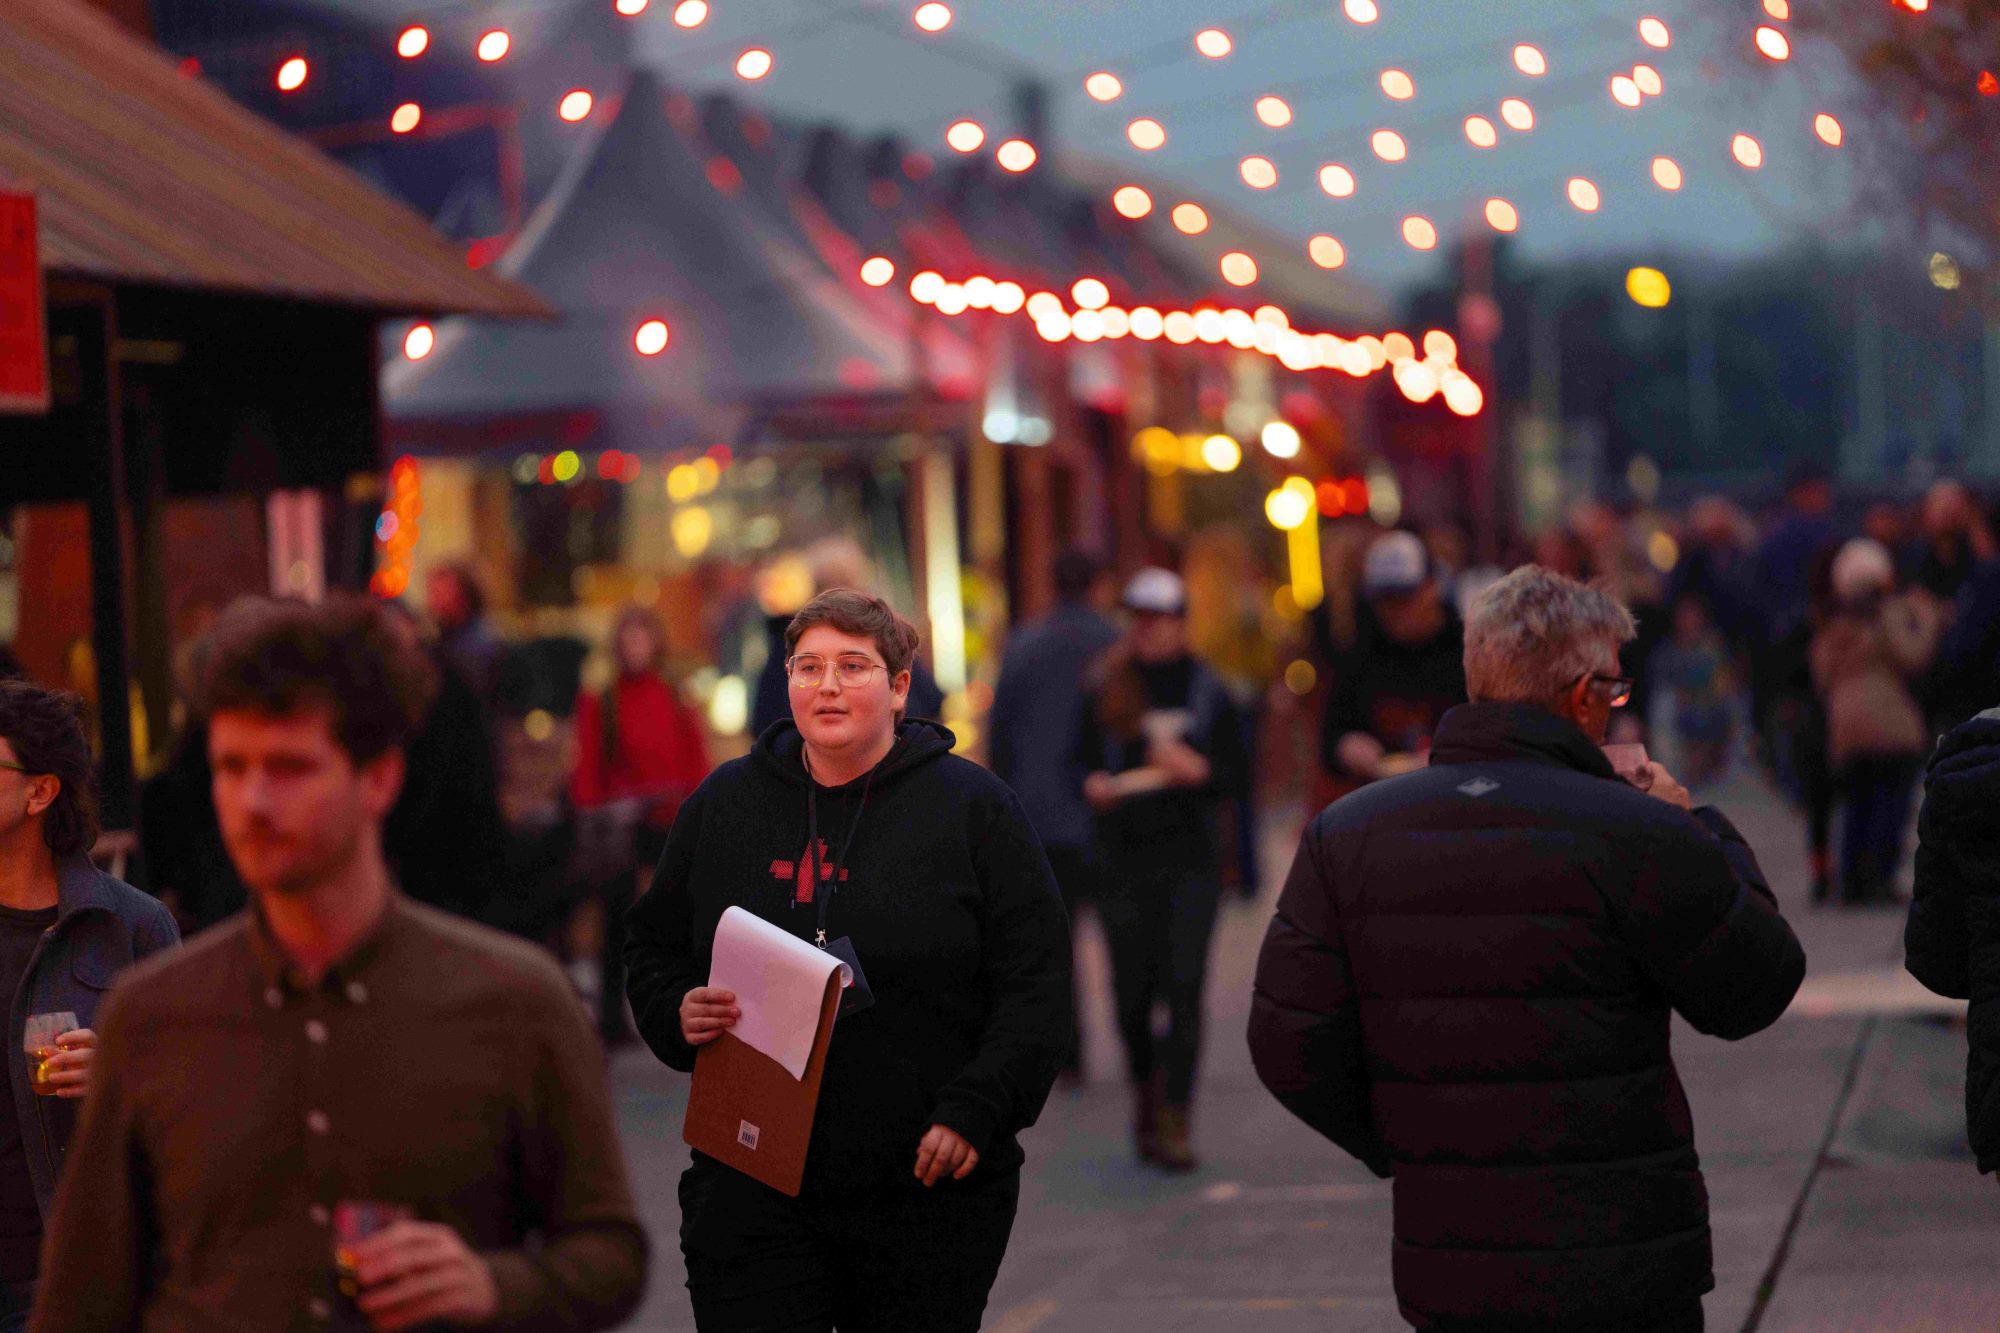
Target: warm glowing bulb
[
  {"x": 1087, "y": 326},
  {"x": 1583, "y": 194},
  {"x": 1389, "y": 146},
  {"x": 1666, "y": 173},
  {"x": 1440, "y": 346},
  {"x": 952, "y": 300},
  {"x": 1008, "y": 297},
  {"x": 965, "y": 136},
  {"x": 419, "y": 341},
  {"x": 879, "y": 271},
  {"x": 1778, "y": 9},
  {"x": 1398, "y": 85},
  {"x": 691, "y": 13},
  {"x": 1747, "y": 151},
  {"x": 495, "y": 45},
  {"x": 1648, "y": 287},
  {"x": 1090, "y": 294},
  {"x": 1280, "y": 439},
  {"x": 1103, "y": 86},
  {"x": 414, "y": 41},
  {"x": 1648, "y": 80},
  {"x": 1043, "y": 304},
  {"x": 406, "y": 118},
  {"x": 1530, "y": 60},
  {"x": 1654, "y": 33},
  {"x": 1258, "y": 173},
  {"x": 754, "y": 64},
  {"x": 1221, "y": 453},
  {"x": 1623, "y": 91},
  {"x": 1146, "y": 135},
  {"x": 926, "y": 287},
  {"x": 292, "y": 74},
  {"x": 1131, "y": 201},
  {"x": 1772, "y": 43},
  {"x": 1398, "y": 347},
  {"x": 1274, "y": 111},
  {"x": 1362, "y": 11},
  {"x": 1518, "y": 114},
  {"x": 1147, "y": 324},
  {"x": 1462, "y": 395},
  {"x": 651, "y": 339},
  {"x": 1336, "y": 180},
  {"x": 575, "y": 105},
  {"x": 933, "y": 17},
  {"x": 1238, "y": 269},
  {"x": 1191, "y": 218},
  {"x": 1828, "y": 129},
  {"x": 1501, "y": 215},
  {"x": 630, "y": 8},
  {"x": 1179, "y": 326},
  {"x": 1016, "y": 155},
  {"x": 1419, "y": 233},
  {"x": 1479, "y": 132},
  {"x": 1213, "y": 43},
  {"x": 1054, "y": 327},
  {"x": 1326, "y": 252}
]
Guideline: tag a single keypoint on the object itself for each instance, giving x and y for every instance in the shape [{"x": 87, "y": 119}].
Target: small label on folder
[{"x": 746, "y": 1134}]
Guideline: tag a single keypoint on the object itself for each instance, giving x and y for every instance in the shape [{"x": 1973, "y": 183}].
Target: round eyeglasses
[{"x": 809, "y": 672}]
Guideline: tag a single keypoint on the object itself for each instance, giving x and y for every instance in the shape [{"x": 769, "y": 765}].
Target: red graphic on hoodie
[{"x": 800, "y": 872}]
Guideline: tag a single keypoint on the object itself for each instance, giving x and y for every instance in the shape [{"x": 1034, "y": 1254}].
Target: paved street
[{"x": 1840, "y": 1183}]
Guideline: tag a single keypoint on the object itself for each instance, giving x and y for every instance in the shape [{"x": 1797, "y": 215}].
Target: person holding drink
[
  {"x": 852, "y": 827},
  {"x": 66, "y": 929},
  {"x": 340, "y": 1109}
]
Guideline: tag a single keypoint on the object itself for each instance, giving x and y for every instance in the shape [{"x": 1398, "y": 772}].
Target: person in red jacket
[{"x": 639, "y": 753}]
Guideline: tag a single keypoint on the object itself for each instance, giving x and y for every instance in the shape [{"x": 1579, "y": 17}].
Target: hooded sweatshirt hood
[{"x": 781, "y": 751}]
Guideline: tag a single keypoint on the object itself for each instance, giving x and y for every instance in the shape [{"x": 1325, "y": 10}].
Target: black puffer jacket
[
  {"x": 1467, "y": 985},
  {"x": 1952, "y": 942}
]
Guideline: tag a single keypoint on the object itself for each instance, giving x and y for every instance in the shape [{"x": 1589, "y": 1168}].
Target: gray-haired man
[{"x": 1468, "y": 982}]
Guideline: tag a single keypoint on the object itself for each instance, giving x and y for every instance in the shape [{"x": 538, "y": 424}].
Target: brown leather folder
[{"x": 745, "y": 1109}]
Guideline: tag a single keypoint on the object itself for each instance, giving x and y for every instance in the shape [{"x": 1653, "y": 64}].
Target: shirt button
[
  {"x": 319, "y": 1309},
  {"x": 319, "y": 1215},
  {"x": 317, "y": 1122},
  {"x": 274, "y": 997},
  {"x": 315, "y": 1032},
  {"x": 357, "y": 992}
]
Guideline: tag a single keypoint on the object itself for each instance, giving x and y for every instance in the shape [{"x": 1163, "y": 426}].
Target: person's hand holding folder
[{"x": 706, "y": 1013}]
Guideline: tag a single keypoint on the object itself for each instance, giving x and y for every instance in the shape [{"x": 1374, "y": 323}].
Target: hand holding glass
[{"x": 38, "y": 1039}]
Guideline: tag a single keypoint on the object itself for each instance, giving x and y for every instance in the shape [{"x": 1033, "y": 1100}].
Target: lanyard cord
[{"x": 823, "y": 883}]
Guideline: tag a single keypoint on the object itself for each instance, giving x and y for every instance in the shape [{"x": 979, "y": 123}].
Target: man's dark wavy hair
[
  {"x": 279, "y": 656},
  {"x": 45, "y": 729}
]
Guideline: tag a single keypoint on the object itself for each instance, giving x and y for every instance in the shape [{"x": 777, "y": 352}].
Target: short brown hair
[
  {"x": 857, "y": 613},
  {"x": 46, "y": 730},
  {"x": 278, "y": 656}
]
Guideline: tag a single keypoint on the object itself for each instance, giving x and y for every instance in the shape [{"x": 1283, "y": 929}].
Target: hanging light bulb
[
  {"x": 754, "y": 64},
  {"x": 406, "y": 118},
  {"x": 1016, "y": 155},
  {"x": 1666, "y": 173},
  {"x": 494, "y": 45},
  {"x": 1213, "y": 43},
  {"x": 413, "y": 42},
  {"x": 1146, "y": 135},
  {"x": 1419, "y": 233},
  {"x": 1530, "y": 60},
  {"x": 1389, "y": 145},
  {"x": 1131, "y": 201},
  {"x": 292, "y": 74},
  {"x": 1518, "y": 114},
  {"x": 1103, "y": 86},
  {"x": 1398, "y": 85},
  {"x": 965, "y": 136},
  {"x": 575, "y": 105},
  {"x": 1336, "y": 180},
  {"x": 1479, "y": 132},
  {"x": 1584, "y": 194},
  {"x": 1274, "y": 112},
  {"x": 1258, "y": 173},
  {"x": 1501, "y": 215},
  {"x": 1326, "y": 252},
  {"x": 932, "y": 17},
  {"x": 691, "y": 13}
]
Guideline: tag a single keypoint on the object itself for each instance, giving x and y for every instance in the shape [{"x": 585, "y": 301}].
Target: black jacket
[
  {"x": 952, "y": 908},
  {"x": 1952, "y": 942},
  {"x": 1392, "y": 691},
  {"x": 1467, "y": 985}
]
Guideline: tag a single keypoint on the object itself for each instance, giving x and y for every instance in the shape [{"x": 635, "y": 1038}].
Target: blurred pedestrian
[
  {"x": 639, "y": 753},
  {"x": 1161, "y": 740},
  {"x": 1038, "y": 709},
  {"x": 1693, "y": 669},
  {"x": 1404, "y": 671},
  {"x": 1953, "y": 541},
  {"x": 1714, "y": 565},
  {"x": 341, "y": 1109},
  {"x": 1864, "y": 658},
  {"x": 1469, "y": 980},
  {"x": 66, "y": 929},
  {"x": 456, "y": 601},
  {"x": 1781, "y": 573},
  {"x": 1952, "y": 938},
  {"x": 852, "y": 822}
]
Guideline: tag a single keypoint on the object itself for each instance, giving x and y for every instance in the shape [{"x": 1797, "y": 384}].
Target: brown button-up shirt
[{"x": 438, "y": 1065}]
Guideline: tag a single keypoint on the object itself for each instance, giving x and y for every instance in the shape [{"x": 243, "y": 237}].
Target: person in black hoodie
[
  {"x": 848, "y": 821},
  {"x": 1469, "y": 979}
]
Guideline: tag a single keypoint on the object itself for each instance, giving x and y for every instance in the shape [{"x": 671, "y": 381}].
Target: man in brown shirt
[{"x": 337, "y": 1044}]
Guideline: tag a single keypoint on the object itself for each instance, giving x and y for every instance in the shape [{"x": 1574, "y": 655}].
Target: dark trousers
[
  {"x": 1158, "y": 915},
  {"x": 1877, "y": 794},
  {"x": 1674, "y": 1317},
  {"x": 17, "y": 1300},
  {"x": 1076, "y": 875},
  {"x": 886, "y": 1260}
]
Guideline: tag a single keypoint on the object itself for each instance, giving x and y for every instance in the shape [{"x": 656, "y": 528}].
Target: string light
[
  {"x": 1213, "y": 43},
  {"x": 1530, "y": 60},
  {"x": 879, "y": 271},
  {"x": 1828, "y": 129},
  {"x": 1336, "y": 180},
  {"x": 406, "y": 118},
  {"x": 1440, "y": 346},
  {"x": 965, "y": 136},
  {"x": 1518, "y": 114},
  {"x": 1016, "y": 155},
  {"x": 932, "y": 17},
  {"x": 1747, "y": 151},
  {"x": 1648, "y": 80},
  {"x": 1238, "y": 269},
  {"x": 630, "y": 8},
  {"x": 1008, "y": 297},
  {"x": 1103, "y": 86},
  {"x": 1190, "y": 218},
  {"x": 1419, "y": 233},
  {"x": 1501, "y": 215},
  {"x": 1274, "y": 112},
  {"x": 1043, "y": 304},
  {"x": 1258, "y": 173},
  {"x": 494, "y": 45},
  {"x": 1583, "y": 194},
  {"x": 754, "y": 64},
  {"x": 1326, "y": 252},
  {"x": 651, "y": 337},
  {"x": 1666, "y": 173},
  {"x": 1772, "y": 43},
  {"x": 419, "y": 341},
  {"x": 1146, "y": 135},
  {"x": 1090, "y": 294},
  {"x": 1131, "y": 201},
  {"x": 1480, "y": 133},
  {"x": 413, "y": 41},
  {"x": 1654, "y": 34},
  {"x": 1389, "y": 145},
  {"x": 1280, "y": 439},
  {"x": 575, "y": 105},
  {"x": 292, "y": 74},
  {"x": 1362, "y": 11},
  {"x": 1398, "y": 85},
  {"x": 1147, "y": 324},
  {"x": 691, "y": 13},
  {"x": 1778, "y": 9},
  {"x": 1624, "y": 91}
]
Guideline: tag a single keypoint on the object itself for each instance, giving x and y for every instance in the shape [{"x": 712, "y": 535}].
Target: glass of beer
[
  {"x": 355, "y": 1220},
  {"x": 39, "y": 1041}
]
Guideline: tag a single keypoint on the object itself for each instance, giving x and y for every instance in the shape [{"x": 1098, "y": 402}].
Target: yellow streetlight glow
[
  {"x": 1944, "y": 272},
  {"x": 1648, "y": 287},
  {"x": 1280, "y": 439}
]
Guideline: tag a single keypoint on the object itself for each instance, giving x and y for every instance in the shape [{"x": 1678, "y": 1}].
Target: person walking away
[
  {"x": 1403, "y": 673},
  {"x": 852, "y": 826},
  {"x": 1952, "y": 938},
  {"x": 1863, "y": 659},
  {"x": 639, "y": 754},
  {"x": 456, "y": 601},
  {"x": 66, "y": 930},
  {"x": 1693, "y": 665},
  {"x": 1038, "y": 709},
  {"x": 341, "y": 1109},
  {"x": 1799, "y": 536},
  {"x": 1161, "y": 739},
  {"x": 1468, "y": 984}
]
